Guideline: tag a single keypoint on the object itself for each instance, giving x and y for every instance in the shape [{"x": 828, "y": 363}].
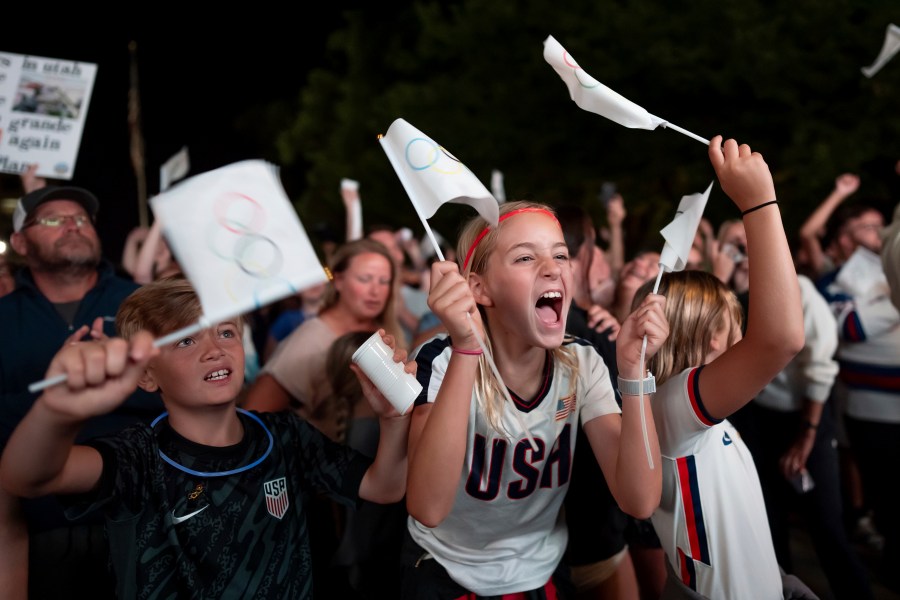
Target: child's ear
[
  {"x": 479, "y": 290},
  {"x": 147, "y": 383}
]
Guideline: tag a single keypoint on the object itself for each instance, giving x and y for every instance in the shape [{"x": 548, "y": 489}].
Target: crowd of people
[{"x": 765, "y": 379}]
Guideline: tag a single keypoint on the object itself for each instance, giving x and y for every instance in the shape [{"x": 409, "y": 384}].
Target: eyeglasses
[{"x": 60, "y": 220}]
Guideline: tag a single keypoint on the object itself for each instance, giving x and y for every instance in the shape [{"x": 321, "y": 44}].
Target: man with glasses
[{"x": 65, "y": 293}]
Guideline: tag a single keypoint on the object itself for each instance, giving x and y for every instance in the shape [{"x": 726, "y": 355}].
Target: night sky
[{"x": 195, "y": 81}]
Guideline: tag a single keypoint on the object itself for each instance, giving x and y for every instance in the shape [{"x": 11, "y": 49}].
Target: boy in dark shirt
[{"x": 207, "y": 502}]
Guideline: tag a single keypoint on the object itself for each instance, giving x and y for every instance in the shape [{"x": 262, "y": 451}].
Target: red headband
[{"x": 502, "y": 218}]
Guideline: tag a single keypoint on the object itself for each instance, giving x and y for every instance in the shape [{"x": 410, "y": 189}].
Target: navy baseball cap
[{"x": 29, "y": 202}]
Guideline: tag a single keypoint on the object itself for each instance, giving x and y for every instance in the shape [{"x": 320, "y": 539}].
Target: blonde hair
[
  {"x": 488, "y": 393},
  {"x": 698, "y": 306},
  {"x": 160, "y": 307},
  {"x": 340, "y": 262}
]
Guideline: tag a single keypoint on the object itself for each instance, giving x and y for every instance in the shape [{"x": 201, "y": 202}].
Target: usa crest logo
[{"x": 277, "y": 500}]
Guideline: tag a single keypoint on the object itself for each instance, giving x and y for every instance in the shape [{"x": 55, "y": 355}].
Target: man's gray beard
[
  {"x": 63, "y": 265},
  {"x": 72, "y": 267}
]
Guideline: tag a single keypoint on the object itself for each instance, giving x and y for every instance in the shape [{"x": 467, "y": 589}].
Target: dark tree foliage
[{"x": 781, "y": 76}]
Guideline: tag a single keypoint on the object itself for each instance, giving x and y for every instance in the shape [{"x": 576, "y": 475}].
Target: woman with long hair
[{"x": 359, "y": 298}]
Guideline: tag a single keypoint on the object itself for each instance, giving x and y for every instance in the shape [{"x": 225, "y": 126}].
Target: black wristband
[
  {"x": 807, "y": 424},
  {"x": 757, "y": 207}
]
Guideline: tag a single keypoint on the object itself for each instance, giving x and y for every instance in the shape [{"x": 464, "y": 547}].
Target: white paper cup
[{"x": 376, "y": 359}]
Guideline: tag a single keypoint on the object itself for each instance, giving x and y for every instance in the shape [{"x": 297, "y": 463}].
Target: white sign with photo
[{"x": 43, "y": 106}]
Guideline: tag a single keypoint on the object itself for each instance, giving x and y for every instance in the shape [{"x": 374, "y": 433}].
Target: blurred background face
[
  {"x": 639, "y": 270},
  {"x": 389, "y": 240},
  {"x": 733, "y": 240},
  {"x": 364, "y": 287},
  {"x": 864, "y": 231},
  {"x": 735, "y": 236}
]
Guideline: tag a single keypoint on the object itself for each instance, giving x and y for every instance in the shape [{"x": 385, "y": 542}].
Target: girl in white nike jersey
[
  {"x": 484, "y": 504},
  {"x": 712, "y": 519}
]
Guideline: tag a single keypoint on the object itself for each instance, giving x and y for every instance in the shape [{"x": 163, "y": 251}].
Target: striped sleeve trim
[{"x": 693, "y": 390}]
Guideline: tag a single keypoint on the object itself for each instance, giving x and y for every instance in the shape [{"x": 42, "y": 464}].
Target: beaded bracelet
[
  {"x": 476, "y": 352},
  {"x": 757, "y": 207}
]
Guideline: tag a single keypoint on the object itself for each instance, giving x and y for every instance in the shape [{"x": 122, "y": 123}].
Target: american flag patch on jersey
[
  {"x": 277, "y": 500},
  {"x": 564, "y": 407}
]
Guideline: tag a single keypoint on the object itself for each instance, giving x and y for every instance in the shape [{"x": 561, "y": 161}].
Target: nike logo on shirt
[{"x": 176, "y": 519}]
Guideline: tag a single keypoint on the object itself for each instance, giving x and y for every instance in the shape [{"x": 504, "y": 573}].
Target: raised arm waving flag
[
  {"x": 593, "y": 96},
  {"x": 432, "y": 177},
  {"x": 238, "y": 240}
]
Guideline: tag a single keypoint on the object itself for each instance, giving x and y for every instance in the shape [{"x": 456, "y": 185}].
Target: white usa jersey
[
  {"x": 711, "y": 520},
  {"x": 504, "y": 533}
]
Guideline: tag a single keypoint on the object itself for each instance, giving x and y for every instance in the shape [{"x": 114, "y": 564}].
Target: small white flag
[
  {"x": 497, "y": 186},
  {"x": 680, "y": 233},
  {"x": 593, "y": 96},
  {"x": 174, "y": 169},
  {"x": 890, "y": 47},
  {"x": 432, "y": 176},
  {"x": 237, "y": 238}
]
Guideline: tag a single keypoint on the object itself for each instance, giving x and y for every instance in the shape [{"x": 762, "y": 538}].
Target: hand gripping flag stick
[
  {"x": 39, "y": 386},
  {"x": 679, "y": 236},
  {"x": 238, "y": 239},
  {"x": 432, "y": 176}
]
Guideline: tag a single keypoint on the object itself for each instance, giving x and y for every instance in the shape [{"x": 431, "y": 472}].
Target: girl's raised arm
[
  {"x": 775, "y": 320},
  {"x": 438, "y": 431}
]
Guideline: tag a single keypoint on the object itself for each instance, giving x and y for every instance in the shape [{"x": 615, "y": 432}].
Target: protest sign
[{"x": 43, "y": 106}]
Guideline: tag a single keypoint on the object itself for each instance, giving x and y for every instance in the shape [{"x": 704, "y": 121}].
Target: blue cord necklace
[{"x": 181, "y": 467}]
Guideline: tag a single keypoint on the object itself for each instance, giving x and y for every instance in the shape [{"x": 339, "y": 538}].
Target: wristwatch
[{"x": 632, "y": 387}]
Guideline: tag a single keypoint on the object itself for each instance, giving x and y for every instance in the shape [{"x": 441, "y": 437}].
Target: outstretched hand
[
  {"x": 743, "y": 174},
  {"x": 100, "y": 374}
]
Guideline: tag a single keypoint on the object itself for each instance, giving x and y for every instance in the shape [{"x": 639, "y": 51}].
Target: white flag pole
[
  {"x": 685, "y": 132},
  {"x": 401, "y": 173}
]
